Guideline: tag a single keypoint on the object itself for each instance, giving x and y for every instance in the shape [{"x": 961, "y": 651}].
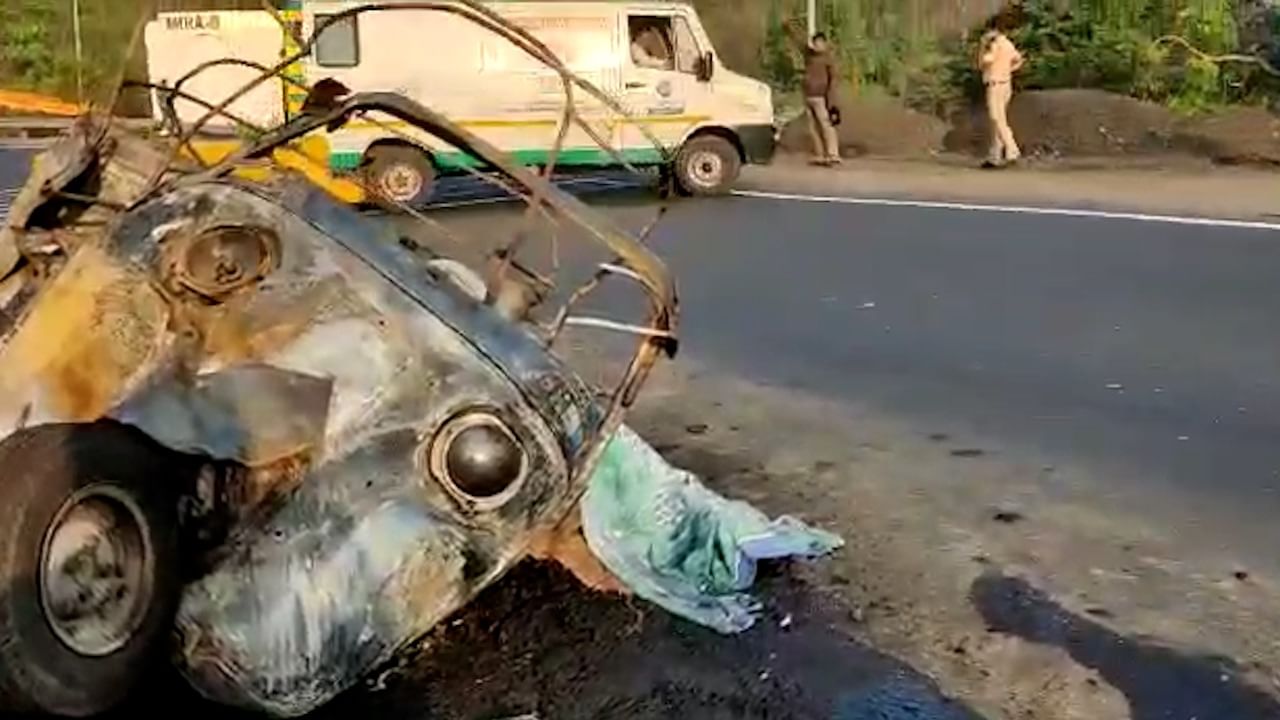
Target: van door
[{"x": 660, "y": 80}]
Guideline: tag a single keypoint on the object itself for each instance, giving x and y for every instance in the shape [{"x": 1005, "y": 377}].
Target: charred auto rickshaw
[{"x": 239, "y": 413}]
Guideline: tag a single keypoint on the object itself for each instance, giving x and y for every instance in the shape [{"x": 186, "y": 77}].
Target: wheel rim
[
  {"x": 706, "y": 168},
  {"x": 97, "y": 568},
  {"x": 401, "y": 182}
]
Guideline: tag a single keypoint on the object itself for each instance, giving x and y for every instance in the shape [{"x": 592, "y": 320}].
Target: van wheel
[
  {"x": 398, "y": 175},
  {"x": 89, "y": 546},
  {"x": 707, "y": 165}
]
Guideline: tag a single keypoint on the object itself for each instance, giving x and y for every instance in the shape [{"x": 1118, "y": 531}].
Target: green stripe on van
[{"x": 578, "y": 157}]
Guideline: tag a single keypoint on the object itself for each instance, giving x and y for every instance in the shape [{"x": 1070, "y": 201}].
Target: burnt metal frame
[{"x": 633, "y": 260}]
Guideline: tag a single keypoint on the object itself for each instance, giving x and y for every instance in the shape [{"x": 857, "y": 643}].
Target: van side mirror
[{"x": 706, "y": 67}]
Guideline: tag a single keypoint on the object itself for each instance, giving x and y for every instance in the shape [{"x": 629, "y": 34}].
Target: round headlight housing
[
  {"x": 478, "y": 458},
  {"x": 222, "y": 260}
]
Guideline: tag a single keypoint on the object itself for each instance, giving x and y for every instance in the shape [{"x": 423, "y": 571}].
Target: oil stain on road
[{"x": 1160, "y": 683}]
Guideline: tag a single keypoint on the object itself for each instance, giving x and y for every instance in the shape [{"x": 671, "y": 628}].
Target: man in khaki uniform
[
  {"x": 819, "y": 98},
  {"x": 1000, "y": 59}
]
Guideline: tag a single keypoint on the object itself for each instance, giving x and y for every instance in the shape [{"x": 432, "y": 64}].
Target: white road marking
[{"x": 1013, "y": 209}]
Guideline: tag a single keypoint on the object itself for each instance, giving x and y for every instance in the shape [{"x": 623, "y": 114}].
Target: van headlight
[{"x": 478, "y": 458}]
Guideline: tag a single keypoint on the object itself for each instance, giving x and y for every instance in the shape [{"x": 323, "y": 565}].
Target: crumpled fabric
[{"x": 677, "y": 544}]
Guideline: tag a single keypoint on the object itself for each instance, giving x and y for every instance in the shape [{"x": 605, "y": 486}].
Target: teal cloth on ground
[{"x": 676, "y": 543}]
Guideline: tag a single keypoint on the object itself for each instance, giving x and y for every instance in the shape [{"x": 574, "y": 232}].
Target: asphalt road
[
  {"x": 1146, "y": 352},
  {"x": 1143, "y": 352},
  {"x": 458, "y": 192},
  {"x": 13, "y": 170}
]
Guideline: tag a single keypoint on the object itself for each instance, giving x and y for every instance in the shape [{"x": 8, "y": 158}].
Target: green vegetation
[
  {"x": 918, "y": 50},
  {"x": 1113, "y": 44},
  {"x": 923, "y": 51},
  {"x": 37, "y": 43}
]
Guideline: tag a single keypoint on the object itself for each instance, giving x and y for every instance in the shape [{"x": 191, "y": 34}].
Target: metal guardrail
[
  {"x": 34, "y": 131},
  {"x": 29, "y": 128}
]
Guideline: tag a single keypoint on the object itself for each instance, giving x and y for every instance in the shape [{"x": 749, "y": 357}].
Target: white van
[{"x": 654, "y": 57}]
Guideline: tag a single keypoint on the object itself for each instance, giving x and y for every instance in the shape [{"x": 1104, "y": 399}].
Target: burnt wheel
[
  {"x": 707, "y": 165},
  {"x": 89, "y": 548},
  {"x": 399, "y": 175}
]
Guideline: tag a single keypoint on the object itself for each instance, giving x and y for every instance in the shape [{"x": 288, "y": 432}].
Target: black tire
[
  {"x": 52, "y": 660},
  {"x": 707, "y": 165},
  {"x": 398, "y": 175}
]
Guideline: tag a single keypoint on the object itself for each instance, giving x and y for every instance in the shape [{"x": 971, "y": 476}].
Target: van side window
[
  {"x": 339, "y": 44},
  {"x": 687, "y": 52},
  {"x": 651, "y": 45}
]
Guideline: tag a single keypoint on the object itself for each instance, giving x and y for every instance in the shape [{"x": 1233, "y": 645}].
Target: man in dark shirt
[{"x": 819, "y": 98}]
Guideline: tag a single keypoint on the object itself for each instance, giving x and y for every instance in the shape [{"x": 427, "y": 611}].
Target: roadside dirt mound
[
  {"x": 1236, "y": 136},
  {"x": 874, "y": 127},
  {"x": 1070, "y": 122},
  {"x": 1074, "y": 123}
]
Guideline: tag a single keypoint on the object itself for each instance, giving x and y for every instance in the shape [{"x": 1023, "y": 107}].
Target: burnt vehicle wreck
[
  {"x": 246, "y": 425},
  {"x": 230, "y": 406}
]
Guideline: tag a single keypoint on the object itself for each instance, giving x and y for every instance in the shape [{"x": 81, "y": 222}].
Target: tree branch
[{"x": 1218, "y": 59}]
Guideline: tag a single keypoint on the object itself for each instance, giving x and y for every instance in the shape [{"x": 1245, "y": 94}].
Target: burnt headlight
[
  {"x": 222, "y": 260},
  {"x": 478, "y": 458}
]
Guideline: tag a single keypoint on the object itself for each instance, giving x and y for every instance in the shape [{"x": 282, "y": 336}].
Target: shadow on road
[
  {"x": 469, "y": 190},
  {"x": 1160, "y": 683}
]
